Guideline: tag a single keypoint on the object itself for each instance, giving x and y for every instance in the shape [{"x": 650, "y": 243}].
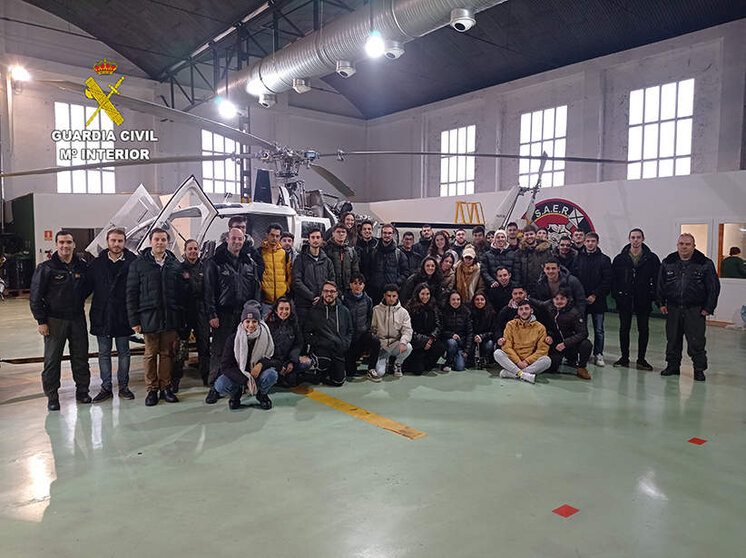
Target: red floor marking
[
  {"x": 698, "y": 441},
  {"x": 566, "y": 511}
]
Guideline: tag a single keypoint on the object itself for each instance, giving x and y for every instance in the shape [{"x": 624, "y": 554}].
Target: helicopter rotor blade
[
  {"x": 334, "y": 180},
  {"x": 107, "y": 164},
  {"x": 160, "y": 111},
  {"x": 341, "y": 154}
]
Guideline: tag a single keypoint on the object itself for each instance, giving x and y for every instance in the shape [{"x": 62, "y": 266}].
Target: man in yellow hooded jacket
[
  {"x": 276, "y": 278},
  {"x": 525, "y": 351}
]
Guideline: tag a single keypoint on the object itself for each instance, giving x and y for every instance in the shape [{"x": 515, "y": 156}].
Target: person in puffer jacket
[
  {"x": 524, "y": 353},
  {"x": 328, "y": 329},
  {"x": 425, "y": 318},
  {"x": 392, "y": 326},
  {"x": 286, "y": 332},
  {"x": 456, "y": 333},
  {"x": 276, "y": 277},
  {"x": 688, "y": 290},
  {"x": 483, "y": 325},
  {"x": 246, "y": 360},
  {"x": 361, "y": 309},
  {"x": 569, "y": 335}
]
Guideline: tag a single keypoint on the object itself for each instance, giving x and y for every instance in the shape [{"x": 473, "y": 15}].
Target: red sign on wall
[{"x": 48, "y": 236}]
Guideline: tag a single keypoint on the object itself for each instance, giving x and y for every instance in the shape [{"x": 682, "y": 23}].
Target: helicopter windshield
[{"x": 187, "y": 215}]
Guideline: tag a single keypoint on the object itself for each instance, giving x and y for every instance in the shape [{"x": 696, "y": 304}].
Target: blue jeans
[
  {"x": 104, "y": 361},
  {"x": 454, "y": 355},
  {"x": 598, "y": 333},
  {"x": 225, "y": 386}
]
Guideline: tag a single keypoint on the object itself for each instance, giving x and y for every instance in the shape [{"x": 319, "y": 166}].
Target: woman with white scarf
[{"x": 245, "y": 364}]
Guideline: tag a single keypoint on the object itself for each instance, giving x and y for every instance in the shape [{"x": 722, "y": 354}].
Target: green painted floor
[{"x": 188, "y": 479}]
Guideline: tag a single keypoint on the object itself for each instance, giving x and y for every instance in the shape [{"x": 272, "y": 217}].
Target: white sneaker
[
  {"x": 397, "y": 370},
  {"x": 446, "y": 369},
  {"x": 373, "y": 376},
  {"x": 527, "y": 377},
  {"x": 507, "y": 374},
  {"x": 600, "y": 360}
]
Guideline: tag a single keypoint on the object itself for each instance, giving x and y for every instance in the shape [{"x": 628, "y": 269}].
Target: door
[
  {"x": 135, "y": 217},
  {"x": 187, "y": 215}
]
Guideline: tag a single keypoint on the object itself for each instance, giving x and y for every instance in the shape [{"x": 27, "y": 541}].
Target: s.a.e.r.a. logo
[{"x": 560, "y": 217}]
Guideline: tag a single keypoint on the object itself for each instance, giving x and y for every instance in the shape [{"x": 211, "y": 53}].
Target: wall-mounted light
[{"x": 18, "y": 74}]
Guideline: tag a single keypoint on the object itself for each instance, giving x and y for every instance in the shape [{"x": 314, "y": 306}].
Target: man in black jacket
[
  {"x": 312, "y": 268},
  {"x": 155, "y": 298},
  {"x": 555, "y": 278},
  {"x": 423, "y": 246},
  {"x": 409, "y": 261},
  {"x": 366, "y": 248},
  {"x": 231, "y": 278},
  {"x": 498, "y": 256},
  {"x": 530, "y": 258},
  {"x": 634, "y": 276},
  {"x": 688, "y": 290},
  {"x": 328, "y": 329},
  {"x": 361, "y": 311},
  {"x": 569, "y": 335},
  {"x": 58, "y": 291},
  {"x": 107, "y": 277},
  {"x": 386, "y": 265},
  {"x": 195, "y": 319},
  {"x": 593, "y": 269},
  {"x": 343, "y": 256},
  {"x": 565, "y": 253}
]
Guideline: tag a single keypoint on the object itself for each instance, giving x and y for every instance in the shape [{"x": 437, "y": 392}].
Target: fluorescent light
[
  {"x": 374, "y": 46},
  {"x": 19, "y": 73}
]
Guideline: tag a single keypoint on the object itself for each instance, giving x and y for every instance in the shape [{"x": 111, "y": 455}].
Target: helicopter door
[
  {"x": 134, "y": 217},
  {"x": 187, "y": 214}
]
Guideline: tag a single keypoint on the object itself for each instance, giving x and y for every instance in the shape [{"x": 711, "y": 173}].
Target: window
[
  {"x": 731, "y": 235},
  {"x": 543, "y": 130},
  {"x": 220, "y": 177},
  {"x": 457, "y": 171},
  {"x": 660, "y": 130},
  {"x": 94, "y": 181}
]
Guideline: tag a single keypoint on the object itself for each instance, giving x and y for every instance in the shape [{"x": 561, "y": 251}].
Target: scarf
[
  {"x": 465, "y": 276},
  {"x": 264, "y": 347}
]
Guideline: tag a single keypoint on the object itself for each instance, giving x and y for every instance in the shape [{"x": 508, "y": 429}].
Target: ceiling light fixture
[
  {"x": 374, "y": 46},
  {"x": 19, "y": 73},
  {"x": 226, "y": 109}
]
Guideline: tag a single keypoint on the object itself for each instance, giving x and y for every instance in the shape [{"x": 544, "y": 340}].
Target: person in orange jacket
[{"x": 525, "y": 351}]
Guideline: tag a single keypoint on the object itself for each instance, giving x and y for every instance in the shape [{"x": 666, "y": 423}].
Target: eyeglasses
[{"x": 329, "y": 291}]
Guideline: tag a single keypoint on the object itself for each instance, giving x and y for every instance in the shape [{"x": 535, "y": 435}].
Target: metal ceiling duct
[{"x": 317, "y": 54}]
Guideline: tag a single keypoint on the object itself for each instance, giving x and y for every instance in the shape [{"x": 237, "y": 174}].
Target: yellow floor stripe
[{"x": 357, "y": 412}]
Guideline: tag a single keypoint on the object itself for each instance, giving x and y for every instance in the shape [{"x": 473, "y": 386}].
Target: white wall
[
  {"x": 658, "y": 206},
  {"x": 597, "y": 95}
]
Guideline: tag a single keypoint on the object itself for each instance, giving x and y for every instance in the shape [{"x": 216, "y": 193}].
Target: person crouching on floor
[
  {"x": 524, "y": 353},
  {"x": 392, "y": 325},
  {"x": 246, "y": 358},
  {"x": 570, "y": 336}
]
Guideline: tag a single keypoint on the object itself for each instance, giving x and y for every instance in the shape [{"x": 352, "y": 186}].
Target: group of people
[{"x": 267, "y": 315}]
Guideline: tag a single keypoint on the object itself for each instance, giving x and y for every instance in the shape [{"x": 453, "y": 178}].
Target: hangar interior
[{"x": 655, "y": 88}]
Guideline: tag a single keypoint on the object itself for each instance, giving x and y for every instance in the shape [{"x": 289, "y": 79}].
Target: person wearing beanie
[
  {"x": 468, "y": 275},
  {"x": 246, "y": 361}
]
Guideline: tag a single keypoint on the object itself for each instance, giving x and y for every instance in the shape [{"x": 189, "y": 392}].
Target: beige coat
[{"x": 391, "y": 324}]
